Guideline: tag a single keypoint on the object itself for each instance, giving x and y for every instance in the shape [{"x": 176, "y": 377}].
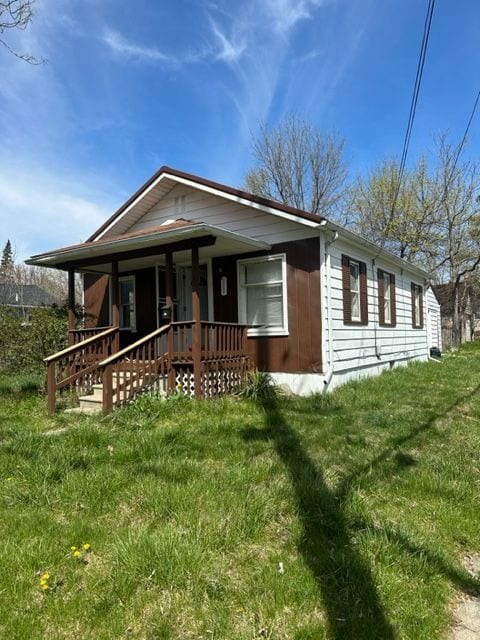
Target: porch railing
[
  {"x": 77, "y": 366},
  {"x": 165, "y": 360},
  {"x": 75, "y": 336}
]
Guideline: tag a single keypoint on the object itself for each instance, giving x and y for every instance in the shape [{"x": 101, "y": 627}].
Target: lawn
[{"x": 338, "y": 516}]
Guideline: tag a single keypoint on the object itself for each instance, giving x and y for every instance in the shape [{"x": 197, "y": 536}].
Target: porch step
[{"x": 93, "y": 403}]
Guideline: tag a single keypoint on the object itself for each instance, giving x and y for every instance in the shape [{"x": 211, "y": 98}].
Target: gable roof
[
  {"x": 466, "y": 297},
  {"x": 26, "y": 295},
  {"x": 166, "y": 174}
]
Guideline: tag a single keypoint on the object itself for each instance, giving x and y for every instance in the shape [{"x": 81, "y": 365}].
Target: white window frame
[
  {"x": 358, "y": 317},
  {"x": 387, "y": 298},
  {"x": 242, "y": 297},
  {"x": 133, "y": 312},
  {"x": 418, "y": 290}
]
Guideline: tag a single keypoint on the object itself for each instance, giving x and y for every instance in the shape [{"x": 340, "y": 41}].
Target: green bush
[
  {"x": 258, "y": 386},
  {"x": 25, "y": 343}
]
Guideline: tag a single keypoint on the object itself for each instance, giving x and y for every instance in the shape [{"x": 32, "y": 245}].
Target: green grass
[{"x": 369, "y": 497}]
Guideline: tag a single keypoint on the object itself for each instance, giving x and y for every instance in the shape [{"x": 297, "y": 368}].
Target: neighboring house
[
  {"x": 23, "y": 298},
  {"x": 469, "y": 308},
  {"x": 245, "y": 280}
]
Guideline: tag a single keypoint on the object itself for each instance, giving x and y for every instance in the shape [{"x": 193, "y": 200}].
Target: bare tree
[
  {"x": 299, "y": 165},
  {"x": 16, "y": 15},
  {"x": 403, "y": 224},
  {"x": 457, "y": 254}
]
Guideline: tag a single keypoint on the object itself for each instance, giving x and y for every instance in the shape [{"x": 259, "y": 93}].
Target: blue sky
[{"x": 130, "y": 86}]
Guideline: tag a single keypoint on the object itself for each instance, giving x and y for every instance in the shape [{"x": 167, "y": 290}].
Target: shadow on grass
[{"x": 344, "y": 578}]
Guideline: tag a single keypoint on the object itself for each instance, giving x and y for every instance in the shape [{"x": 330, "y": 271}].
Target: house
[
  {"x": 469, "y": 307},
  {"x": 191, "y": 282},
  {"x": 21, "y": 299}
]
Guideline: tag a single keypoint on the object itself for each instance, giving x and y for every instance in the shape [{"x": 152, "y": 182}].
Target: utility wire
[
  {"x": 413, "y": 105},
  {"x": 464, "y": 139}
]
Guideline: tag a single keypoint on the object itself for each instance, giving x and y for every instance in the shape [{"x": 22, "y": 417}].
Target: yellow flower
[
  {"x": 73, "y": 548},
  {"x": 45, "y": 576},
  {"x": 44, "y": 587},
  {"x": 77, "y": 553},
  {"x": 87, "y": 546}
]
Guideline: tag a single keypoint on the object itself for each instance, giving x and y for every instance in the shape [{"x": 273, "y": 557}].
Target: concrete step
[{"x": 91, "y": 404}]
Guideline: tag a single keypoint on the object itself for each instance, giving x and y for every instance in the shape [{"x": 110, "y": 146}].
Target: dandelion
[
  {"x": 73, "y": 548},
  {"x": 44, "y": 586},
  {"x": 87, "y": 546},
  {"x": 77, "y": 553},
  {"x": 45, "y": 576}
]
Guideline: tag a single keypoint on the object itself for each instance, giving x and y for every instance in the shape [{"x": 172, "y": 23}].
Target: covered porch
[{"x": 155, "y": 296}]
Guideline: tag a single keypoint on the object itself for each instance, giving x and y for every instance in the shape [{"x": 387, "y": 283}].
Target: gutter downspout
[{"x": 328, "y": 277}]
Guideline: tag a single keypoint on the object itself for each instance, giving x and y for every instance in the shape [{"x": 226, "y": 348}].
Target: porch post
[
  {"x": 197, "y": 328},
  {"x": 115, "y": 306},
  {"x": 72, "y": 320},
  {"x": 169, "y": 282},
  {"x": 169, "y": 302}
]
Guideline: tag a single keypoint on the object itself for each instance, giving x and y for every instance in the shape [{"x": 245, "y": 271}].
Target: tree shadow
[{"x": 343, "y": 577}]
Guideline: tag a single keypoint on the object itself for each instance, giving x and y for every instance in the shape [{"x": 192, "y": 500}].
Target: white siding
[
  {"x": 434, "y": 321},
  {"x": 358, "y": 350},
  {"x": 204, "y": 207}
]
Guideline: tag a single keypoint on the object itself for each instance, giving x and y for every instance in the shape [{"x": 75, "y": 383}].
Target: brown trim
[
  {"x": 381, "y": 299},
  {"x": 413, "y": 289},
  {"x": 347, "y": 294},
  {"x": 213, "y": 185},
  {"x": 182, "y": 245}
]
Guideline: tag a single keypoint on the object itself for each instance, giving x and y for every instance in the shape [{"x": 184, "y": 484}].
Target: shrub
[
  {"x": 258, "y": 385},
  {"x": 24, "y": 344}
]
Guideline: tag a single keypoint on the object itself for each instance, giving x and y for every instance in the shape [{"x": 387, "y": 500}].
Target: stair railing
[{"x": 77, "y": 366}]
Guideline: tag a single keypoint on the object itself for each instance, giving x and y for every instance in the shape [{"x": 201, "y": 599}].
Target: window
[
  {"x": 417, "y": 306},
  {"x": 127, "y": 303},
  {"x": 262, "y": 294},
  {"x": 355, "y": 298},
  {"x": 386, "y": 299},
  {"x": 355, "y": 290}
]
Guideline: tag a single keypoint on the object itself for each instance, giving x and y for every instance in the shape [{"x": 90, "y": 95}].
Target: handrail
[
  {"x": 79, "y": 345},
  {"x": 227, "y": 324},
  {"x": 134, "y": 345}
]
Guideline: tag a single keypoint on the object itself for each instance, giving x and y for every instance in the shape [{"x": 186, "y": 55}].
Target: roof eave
[{"x": 90, "y": 250}]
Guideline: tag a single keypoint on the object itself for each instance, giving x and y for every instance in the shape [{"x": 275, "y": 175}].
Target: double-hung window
[
  {"x": 262, "y": 294},
  {"x": 127, "y": 303},
  {"x": 355, "y": 290},
  {"x": 386, "y": 299},
  {"x": 417, "y": 306},
  {"x": 355, "y": 295}
]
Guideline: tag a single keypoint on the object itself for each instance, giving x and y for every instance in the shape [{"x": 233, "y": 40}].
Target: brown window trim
[
  {"x": 413, "y": 288},
  {"x": 347, "y": 297},
  {"x": 381, "y": 299}
]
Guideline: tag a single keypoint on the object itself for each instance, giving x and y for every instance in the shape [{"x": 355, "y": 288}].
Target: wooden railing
[
  {"x": 141, "y": 365},
  {"x": 77, "y": 366},
  {"x": 75, "y": 336},
  {"x": 165, "y": 360}
]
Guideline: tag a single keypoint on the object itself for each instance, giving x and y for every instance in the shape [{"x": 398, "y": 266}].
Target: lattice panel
[{"x": 185, "y": 382}]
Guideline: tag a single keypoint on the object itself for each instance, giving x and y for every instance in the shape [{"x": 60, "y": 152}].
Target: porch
[{"x": 187, "y": 351}]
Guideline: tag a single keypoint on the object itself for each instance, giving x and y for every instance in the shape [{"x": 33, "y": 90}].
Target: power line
[
  {"x": 467, "y": 128},
  {"x": 413, "y": 105}
]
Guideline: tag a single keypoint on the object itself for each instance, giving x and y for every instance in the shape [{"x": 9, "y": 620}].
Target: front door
[{"x": 184, "y": 289}]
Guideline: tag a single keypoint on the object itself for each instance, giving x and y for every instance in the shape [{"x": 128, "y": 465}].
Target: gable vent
[{"x": 179, "y": 204}]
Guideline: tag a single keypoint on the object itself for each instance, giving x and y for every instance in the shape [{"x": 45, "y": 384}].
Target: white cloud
[
  {"x": 286, "y": 13},
  {"x": 41, "y": 210},
  {"x": 230, "y": 49},
  {"x": 120, "y": 45}
]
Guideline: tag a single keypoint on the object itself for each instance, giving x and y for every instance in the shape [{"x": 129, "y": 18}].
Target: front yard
[{"x": 342, "y": 516}]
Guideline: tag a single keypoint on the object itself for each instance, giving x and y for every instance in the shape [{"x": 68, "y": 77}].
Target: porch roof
[{"x": 136, "y": 249}]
